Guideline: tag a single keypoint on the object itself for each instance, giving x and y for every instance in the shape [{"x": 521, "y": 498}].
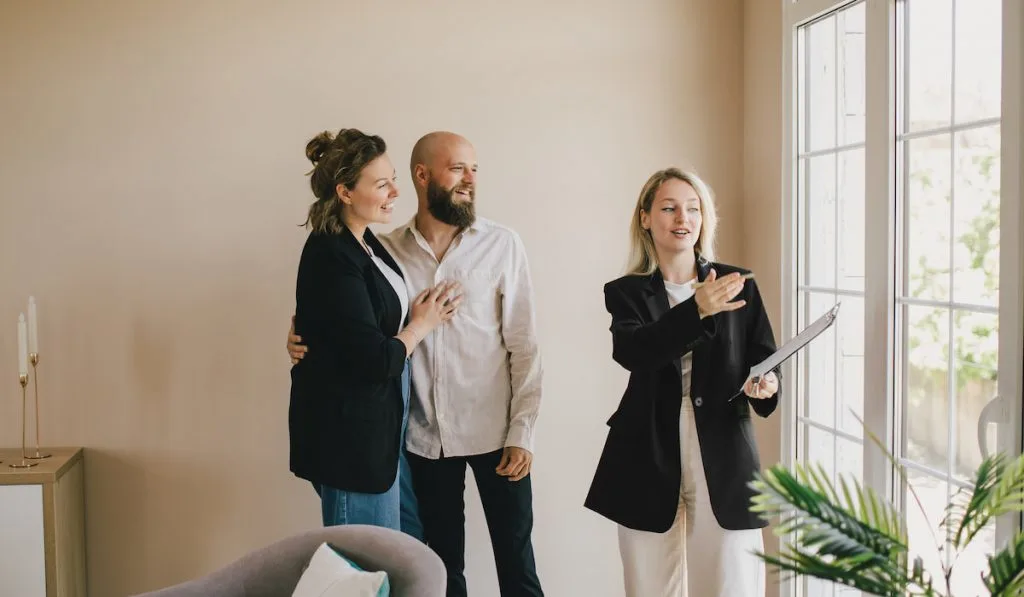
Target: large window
[
  {"x": 948, "y": 82},
  {"x": 830, "y": 261},
  {"x": 899, "y": 208}
]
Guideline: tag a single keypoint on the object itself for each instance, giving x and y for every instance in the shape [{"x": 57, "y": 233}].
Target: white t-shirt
[
  {"x": 678, "y": 293},
  {"x": 397, "y": 283}
]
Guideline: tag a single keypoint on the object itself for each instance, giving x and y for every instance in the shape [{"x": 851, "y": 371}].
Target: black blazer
[
  {"x": 345, "y": 414},
  {"x": 638, "y": 478}
]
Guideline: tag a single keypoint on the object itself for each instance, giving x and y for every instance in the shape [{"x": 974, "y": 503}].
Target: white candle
[
  {"x": 33, "y": 327},
  {"x": 22, "y": 346}
]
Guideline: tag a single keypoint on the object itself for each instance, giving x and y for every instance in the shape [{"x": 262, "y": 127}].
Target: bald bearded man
[{"x": 477, "y": 379}]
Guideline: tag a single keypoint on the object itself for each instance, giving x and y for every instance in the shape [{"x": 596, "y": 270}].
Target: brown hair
[
  {"x": 643, "y": 259},
  {"x": 337, "y": 159}
]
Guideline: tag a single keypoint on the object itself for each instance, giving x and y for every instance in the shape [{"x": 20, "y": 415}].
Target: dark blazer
[
  {"x": 345, "y": 415},
  {"x": 638, "y": 478}
]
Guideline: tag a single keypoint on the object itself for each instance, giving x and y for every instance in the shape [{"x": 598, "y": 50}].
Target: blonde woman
[{"x": 680, "y": 449}]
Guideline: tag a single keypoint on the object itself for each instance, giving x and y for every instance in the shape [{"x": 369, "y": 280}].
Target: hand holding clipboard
[{"x": 792, "y": 347}]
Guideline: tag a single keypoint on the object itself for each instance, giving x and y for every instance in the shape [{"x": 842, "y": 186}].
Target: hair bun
[{"x": 318, "y": 146}]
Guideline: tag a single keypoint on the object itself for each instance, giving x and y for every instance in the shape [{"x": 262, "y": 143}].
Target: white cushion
[{"x": 330, "y": 575}]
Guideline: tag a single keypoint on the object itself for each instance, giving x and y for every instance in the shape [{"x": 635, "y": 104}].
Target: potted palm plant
[{"x": 847, "y": 535}]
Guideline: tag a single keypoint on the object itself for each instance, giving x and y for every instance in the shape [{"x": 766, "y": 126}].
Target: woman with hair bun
[{"x": 350, "y": 395}]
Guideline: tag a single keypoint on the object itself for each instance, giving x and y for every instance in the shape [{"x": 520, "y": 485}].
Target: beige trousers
[{"x": 696, "y": 557}]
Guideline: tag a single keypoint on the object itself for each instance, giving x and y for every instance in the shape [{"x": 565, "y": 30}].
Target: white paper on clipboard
[{"x": 793, "y": 346}]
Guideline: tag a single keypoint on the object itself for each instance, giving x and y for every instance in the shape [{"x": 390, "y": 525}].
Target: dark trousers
[{"x": 508, "y": 508}]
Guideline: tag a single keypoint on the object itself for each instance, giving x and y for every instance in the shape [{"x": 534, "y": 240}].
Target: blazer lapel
[
  {"x": 700, "y": 354},
  {"x": 380, "y": 251},
  {"x": 656, "y": 299},
  {"x": 375, "y": 280},
  {"x": 703, "y": 268},
  {"x": 655, "y": 295}
]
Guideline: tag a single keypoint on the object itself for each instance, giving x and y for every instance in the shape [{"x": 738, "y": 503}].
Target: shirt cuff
[{"x": 519, "y": 436}]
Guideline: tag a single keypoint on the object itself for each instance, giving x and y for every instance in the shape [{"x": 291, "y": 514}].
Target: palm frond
[
  {"x": 864, "y": 578},
  {"x": 902, "y": 472},
  {"x": 998, "y": 490},
  {"x": 843, "y": 533},
  {"x": 1005, "y": 575},
  {"x": 856, "y": 539},
  {"x": 969, "y": 506},
  {"x": 805, "y": 499}
]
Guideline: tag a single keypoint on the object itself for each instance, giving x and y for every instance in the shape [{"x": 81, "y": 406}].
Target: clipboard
[{"x": 790, "y": 348}]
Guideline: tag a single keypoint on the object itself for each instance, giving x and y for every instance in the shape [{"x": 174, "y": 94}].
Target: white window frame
[{"x": 880, "y": 189}]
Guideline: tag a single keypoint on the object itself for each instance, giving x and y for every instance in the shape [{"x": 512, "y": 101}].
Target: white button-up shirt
[{"x": 477, "y": 378}]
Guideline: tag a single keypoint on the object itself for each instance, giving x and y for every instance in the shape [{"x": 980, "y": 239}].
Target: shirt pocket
[{"x": 481, "y": 297}]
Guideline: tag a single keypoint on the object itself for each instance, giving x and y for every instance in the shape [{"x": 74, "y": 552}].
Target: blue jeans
[
  {"x": 396, "y": 508},
  {"x": 409, "y": 507}
]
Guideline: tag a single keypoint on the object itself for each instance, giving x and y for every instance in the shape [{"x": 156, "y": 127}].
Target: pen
[{"x": 746, "y": 276}]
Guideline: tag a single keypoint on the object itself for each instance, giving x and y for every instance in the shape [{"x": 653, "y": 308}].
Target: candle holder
[
  {"x": 33, "y": 358},
  {"x": 23, "y": 380}
]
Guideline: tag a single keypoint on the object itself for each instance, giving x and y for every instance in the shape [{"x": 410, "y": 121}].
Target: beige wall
[{"x": 151, "y": 176}]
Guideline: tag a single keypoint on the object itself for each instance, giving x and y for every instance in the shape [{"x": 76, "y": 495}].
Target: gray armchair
[{"x": 414, "y": 570}]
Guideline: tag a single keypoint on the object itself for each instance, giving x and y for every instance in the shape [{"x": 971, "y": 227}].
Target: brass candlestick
[
  {"x": 33, "y": 357},
  {"x": 23, "y": 380}
]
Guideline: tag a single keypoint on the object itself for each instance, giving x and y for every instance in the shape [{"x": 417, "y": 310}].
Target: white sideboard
[{"x": 42, "y": 517}]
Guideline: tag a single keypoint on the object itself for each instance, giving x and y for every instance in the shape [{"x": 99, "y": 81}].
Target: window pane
[
  {"x": 851, "y": 364},
  {"x": 821, "y": 210},
  {"x": 928, "y": 218},
  {"x": 926, "y": 404},
  {"x": 977, "y": 360},
  {"x": 851, "y": 75},
  {"x": 821, "y": 84},
  {"x": 929, "y": 66},
  {"x": 803, "y": 381},
  {"x": 851, "y": 225},
  {"x": 821, "y": 364},
  {"x": 801, "y": 89},
  {"x": 966, "y": 578},
  {"x": 923, "y": 527},
  {"x": 821, "y": 450},
  {"x": 802, "y": 241},
  {"x": 849, "y": 461},
  {"x": 818, "y": 588},
  {"x": 976, "y": 217},
  {"x": 979, "y": 52}
]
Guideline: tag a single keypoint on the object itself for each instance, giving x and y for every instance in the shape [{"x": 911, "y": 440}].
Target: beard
[{"x": 442, "y": 205}]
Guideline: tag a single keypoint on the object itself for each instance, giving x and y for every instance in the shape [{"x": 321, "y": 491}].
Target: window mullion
[{"x": 880, "y": 248}]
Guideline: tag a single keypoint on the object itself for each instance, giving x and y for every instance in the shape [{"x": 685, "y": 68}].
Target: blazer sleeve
[
  {"x": 639, "y": 346},
  {"x": 349, "y": 325},
  {"x": 760, "y": 345}
]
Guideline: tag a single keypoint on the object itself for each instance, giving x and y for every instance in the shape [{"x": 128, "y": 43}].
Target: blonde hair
[{"x": 643, "y": 258}]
